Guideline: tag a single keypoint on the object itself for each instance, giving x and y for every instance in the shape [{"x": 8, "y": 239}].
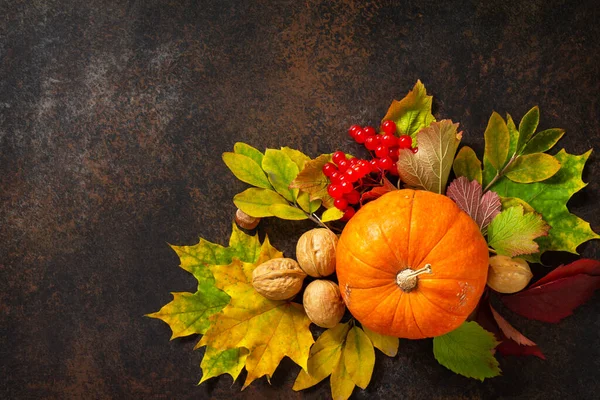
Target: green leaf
[
  {"x": 543, "y": 141},
  {"x": 298, "y": 157},
  {"x": 467, "y": 351},
  {"x": 532, "y": 168},
  {"x": 387, "y": 344},
  {"x": 497, "y": 141},
  {"x": 257, "y": 202},
  {"x": 511, "y": 233},
  {"x": 359, "y": 356},
  {"x": 489, "y": 172},
  {"x": 509, "y": 202},
  {"x": 514, "y": 137},
  {"x": 218, "y": 362},
  {"x": 324, "y": 357},
  {"x": 303, "y": 201},
  {"x": 429, "y": 168},
  {"x": 246, "y": 170},
  {"x": 281, "y": 171},
  {"x": 527, "y": 127},
  {"x": 313, "y": 181},
  {"x": 550, "y": 198},
  {"x": 248, "y": 151},
  {"x": 413, "y": 112},
  {"x": 285, "y": 211},
  {"x": 467, "y": 164},
  {"x": 331, "y": 214}
]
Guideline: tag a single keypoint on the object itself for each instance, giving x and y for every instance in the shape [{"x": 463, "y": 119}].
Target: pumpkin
[{"x": 411, "y": 264}]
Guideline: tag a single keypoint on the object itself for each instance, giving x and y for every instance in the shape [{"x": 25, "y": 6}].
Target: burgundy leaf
[
  {"x": 468, "y": 196},
  {"x": 377, "y": 191},
  {"x": 555, "y": 296},
  {"x": 509, "y": 331},
  {"x": 512, "y": 348}
]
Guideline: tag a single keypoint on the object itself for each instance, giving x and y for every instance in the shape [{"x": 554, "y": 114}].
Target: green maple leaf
[
  {"x": 413, "y": 112},
  {"x": 550, "y": 198},
  {"x": 467, "y": 351},
  {"x": 511, "y": 233}
]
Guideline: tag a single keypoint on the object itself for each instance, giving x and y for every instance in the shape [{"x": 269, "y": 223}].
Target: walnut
[
  {"x": 323, "y": 303},
  {"x": 315, "y": 252},
  {"x": 508, "y": 275},
  {"x": 278, "y": 279}
]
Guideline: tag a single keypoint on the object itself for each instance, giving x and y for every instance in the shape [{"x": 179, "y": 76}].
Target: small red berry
[
  {"x": 374, "y": 163},
  {"x": 348, "y": 213},
  {"x": 369, "y": 130},
  {"x": 389, "y": 140},
  {"x": 414, "y": 150},
  {"x": 389, "y": 127},
  {"x": 353, "y": 129},
  {"x": 360, "y": 136},
  {"x": 328, "y": 169},
  {"x": 346, "y": 186},
  {"x": 404, "y": 142},
  {"x": 381, "y": 151},
  {"x": 393, "y": 154},
  {"x": 338, "y": 156},
  {"x": 343, "y": 165},
  {"x": 352, "y": 175},
  {"x": 372, "y": 142},
  {"x": 394, "y": 169},
  {"x": 353, "y": 197},
  {"x": 385, "y": 163},
  {"x": 336, "y": 176},
  {"x": 335, "y": 191},
  {"x": 340, "y": 204},
  {"x": 352, "y": 162}
]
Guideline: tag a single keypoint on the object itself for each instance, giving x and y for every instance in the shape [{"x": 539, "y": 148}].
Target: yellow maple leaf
[{"x": 269, "y": 330}]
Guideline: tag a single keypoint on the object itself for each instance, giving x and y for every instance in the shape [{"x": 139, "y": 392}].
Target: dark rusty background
[{"x": 113, "y": 118}]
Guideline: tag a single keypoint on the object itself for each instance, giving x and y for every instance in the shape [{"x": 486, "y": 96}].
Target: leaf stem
[
  {"x": 492, "y": 250},
  {"x": 499, "y": 174}
]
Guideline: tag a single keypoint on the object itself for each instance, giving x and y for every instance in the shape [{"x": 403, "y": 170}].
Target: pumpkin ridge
[
  {"x": 387, "y": 242},
  {"x": 412, "y": 204},
  {"x": 380, "y": 303},
  {"x": 438, "y": 306},
  {"x": 362, "y": 261},
  {"x": 412, "y": 313}
]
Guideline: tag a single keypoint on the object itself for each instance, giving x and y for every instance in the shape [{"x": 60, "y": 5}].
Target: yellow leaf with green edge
[
  {"x": 298, "y": 157},
  {"x": 257, "y": 202},
  {"x": 331, "y": 214},
  {"x": 467, "y": 164},
  {"x": 387, "y": 344},
  {"x": 512, "y": 233},
  {"x": 303, "y": 201},
  {"x": 509, "y": 202},
  {"x": 527, "y": 127},
  {"x": 188, "y": 313},
  {"x": 285, "y": 211},
  {"x": 532, "y": 168},
  {"x": 248, "y": 151},
  {"x": 246, "y": 170},
  {"x": 270, "y": 330},
  {"x": 324, "y": 357},
  {"x": 267, "y": 252},
  {"x": 550, "y": 198},
  {"x": 513, "y": 133},
  {"x": 216, "y": 362},
  {"x": 497, "y": 141},
  {"x": 313, "y": 181},
  {"x": 342, "y": 385},
  {"x": 430, "y": 167},
  {"x": 413, "y": 112},
  {"x": 543, "y": 141},
  {"x": 281, "y": 171},
  {"x": 467, "y": 351},
  {"x": 359, "y": 357}
]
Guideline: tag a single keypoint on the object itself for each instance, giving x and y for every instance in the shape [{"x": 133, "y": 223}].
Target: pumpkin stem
[{"x": 407, "y": 279}]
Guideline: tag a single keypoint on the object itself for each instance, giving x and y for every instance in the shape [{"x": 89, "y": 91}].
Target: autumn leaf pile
[{"x": 517, "y": 193}]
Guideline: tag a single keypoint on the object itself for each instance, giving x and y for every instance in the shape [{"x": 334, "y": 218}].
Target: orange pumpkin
[{"x": 411, "y": 264}]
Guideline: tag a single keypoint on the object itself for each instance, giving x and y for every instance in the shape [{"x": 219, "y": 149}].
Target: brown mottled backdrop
[{"x": 113, "y": 118}]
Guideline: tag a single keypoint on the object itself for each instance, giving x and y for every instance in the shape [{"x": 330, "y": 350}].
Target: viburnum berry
[
  {"x": 394, "y": 169},
  {"x": 389, "y": 127},
  {"x": 352, "y": 175},
  {"x": 353, "y": 129},
  {"x": 389, "y": 140},
  {"x": 404, "y": 142},
  {"x": 369, "y": 130},
  {"x": 393, "y": 154},
  {"x": 343, "y": 165},
  {"x": 346, "y": 186},
  {"x": 381, "y": 151},
  {"x": 335, "y": 191},
  {"x": 372, "y": 142},
  {"x": 414, "y": 150},
  {"x": 385, "y": 163},
  {"x": 374, "y": 163},
  {"x": 352, "y": 162},
  {"x": 353, "y": 197},
  {"x": 360, "y": 136},
  {"x": 335, "y": 176},
  {"x": 340, "y": 204},
  {"x": 348, "y": 213},
  {"x": 328, "y": 169},
  {"x": 338, "y": 156}
]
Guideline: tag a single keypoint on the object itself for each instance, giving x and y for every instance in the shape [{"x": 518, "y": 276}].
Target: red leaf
[
  {"x": 512, "y": 348},
  {"x": 555, "y": 296},
  {"x": 468, "y": 196},
  {"x": 377, "y": 191},
  {"x": 509, "y": 331}
]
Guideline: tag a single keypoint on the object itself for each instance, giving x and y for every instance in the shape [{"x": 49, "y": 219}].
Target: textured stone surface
[{"x": 113, "y": 116}]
